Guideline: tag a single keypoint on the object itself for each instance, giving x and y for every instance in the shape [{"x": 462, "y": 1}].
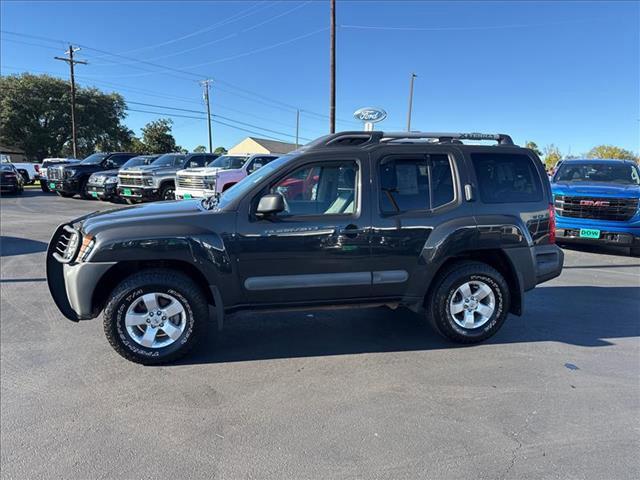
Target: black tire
[
  {"x": 447, "y": 284},
  {"x": 634, "y": 251},
  {"x": 161, "y": 281},
  {"x": 44, "y": 187},
  {"x": 84, "y": 193},
  {"x": 65, "y": 195},
  {"x": 25, "y": 176},
  {"x": 167, "y": 192}
]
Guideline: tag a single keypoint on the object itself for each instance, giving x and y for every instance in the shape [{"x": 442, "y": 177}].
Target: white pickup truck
[
  {"x": 218, "y": 176},
  {"x": 29, "y": 171}
]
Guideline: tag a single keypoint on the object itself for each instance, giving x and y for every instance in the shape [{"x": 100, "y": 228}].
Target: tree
[
  {"x": 552, "y": 155},
  {"x": 157, "y": 136},
  {"x": 200, "y": 149},
  {"x": 220, "y": 151},
  {"x": 533, "y": 146},
  {"x": 611, "y": 151},
  {"x": 35, "y": 115}
]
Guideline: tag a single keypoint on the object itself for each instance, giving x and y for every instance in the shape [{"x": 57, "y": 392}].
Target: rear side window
[
  {"x": 423, "y": 182},
  {"x": 507, "y": 178}
]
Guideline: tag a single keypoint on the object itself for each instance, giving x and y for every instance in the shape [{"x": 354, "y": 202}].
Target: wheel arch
[
  {"x": 121, "y": 270},
  {"x": 495, "y": 258},
  {"x": 228, "y": 185}
]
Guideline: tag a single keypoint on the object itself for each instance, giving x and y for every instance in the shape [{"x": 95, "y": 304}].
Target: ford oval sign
[{"x": 370, "y": 115}]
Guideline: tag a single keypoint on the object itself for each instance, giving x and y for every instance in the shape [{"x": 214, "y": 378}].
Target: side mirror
[
  {"x": 193, "y": 165},
  {"x": 255, "y": 167},
  {"x": 270, "y": 205}
]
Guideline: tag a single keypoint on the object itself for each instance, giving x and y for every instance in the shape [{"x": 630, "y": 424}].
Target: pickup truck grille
[
  {"x": 191, "y": 181},
  {"x": 598, "y": 208},
  {"x": 130, "y": 181},
  {"x": 54, "y": 173}
]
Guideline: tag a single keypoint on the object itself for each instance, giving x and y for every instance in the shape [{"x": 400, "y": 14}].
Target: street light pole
[
  {"x": 332, "y": 68},
  {"x": 205, "y": 85},
  {"x": 413, "y": 76},
  {"x": 297, "y": 126}
]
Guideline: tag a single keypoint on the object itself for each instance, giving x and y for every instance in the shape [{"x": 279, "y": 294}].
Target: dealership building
[{"x": 251, "y": 145}]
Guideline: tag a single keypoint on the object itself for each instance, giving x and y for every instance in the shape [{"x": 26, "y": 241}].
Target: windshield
[
  {"x": 609, "y": 172},
  {"x": 169, "y": 160},
  {"x": 94, "y": 159},
  {"x": 137, "y": 161},
  {"x": 243, "y": 186},
  {"x": 228, "y": 162}
]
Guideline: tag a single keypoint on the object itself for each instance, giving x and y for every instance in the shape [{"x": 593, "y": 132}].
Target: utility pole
[
  {"x": 413, "y": 76},
  {"x": 297, "y": 126},
  {"x": 206, "y": 85},
  {"x": 69, "y": 59},
  {"x": 332, "y": 68}
]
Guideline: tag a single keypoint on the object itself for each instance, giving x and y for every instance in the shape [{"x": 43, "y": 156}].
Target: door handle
[{"x": 350, "y": 231}]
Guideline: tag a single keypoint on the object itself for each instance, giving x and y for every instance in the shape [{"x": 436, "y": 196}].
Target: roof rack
[{"x": 360, "y": 138}]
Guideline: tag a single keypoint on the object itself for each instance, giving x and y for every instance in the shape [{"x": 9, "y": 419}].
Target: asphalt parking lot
[{"x": 335, "y": 394}]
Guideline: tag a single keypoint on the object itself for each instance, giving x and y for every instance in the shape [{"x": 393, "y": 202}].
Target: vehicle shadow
[
  {"x": 10, "y": 246},
  {"x": 585, "y": 321}
]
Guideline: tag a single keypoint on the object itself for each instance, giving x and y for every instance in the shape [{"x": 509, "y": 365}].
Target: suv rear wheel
[
  {"x": 469, "y": 303},
  {"x": 155, "y": 316}
]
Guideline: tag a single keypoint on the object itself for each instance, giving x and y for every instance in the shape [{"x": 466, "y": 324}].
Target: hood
[
  {"x": 159, "y": 213},
  {"x": 110, "y": 173},
  {"x": 200, "y": 171},
  {"x": 79, "y": 167},
  {"x": 596, "y": 189},
  {"x": 148, "y": 169}
]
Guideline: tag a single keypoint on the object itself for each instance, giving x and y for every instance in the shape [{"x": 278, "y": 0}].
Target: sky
[{"x": 563, "y": 73}]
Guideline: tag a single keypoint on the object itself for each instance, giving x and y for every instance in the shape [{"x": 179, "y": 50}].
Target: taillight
[
  {"x": 552, "y": 223},
  {"x": 9, "y": 175},
  {"x": 37, "y": 167}
]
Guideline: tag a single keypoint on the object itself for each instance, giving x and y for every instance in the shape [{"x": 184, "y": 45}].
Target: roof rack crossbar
[
  {"x": 376, "y": 136},
  {"x": 501, "y": 138}
]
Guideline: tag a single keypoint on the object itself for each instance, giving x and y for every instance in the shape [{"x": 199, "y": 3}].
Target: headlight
[
  {"x": 111, "y": 180},
  {"x": 148, "y": 181},
  {"x": 69, "y": 172},
  {"x": 88, "y": 243}
]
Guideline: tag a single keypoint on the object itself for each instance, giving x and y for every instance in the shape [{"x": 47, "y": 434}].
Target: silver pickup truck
[{"x": 157, "y": 181}]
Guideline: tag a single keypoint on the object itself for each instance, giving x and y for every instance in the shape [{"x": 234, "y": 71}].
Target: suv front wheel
[
  {"x": 155, "y": 316},
  {"x": 469, "y": 303}
]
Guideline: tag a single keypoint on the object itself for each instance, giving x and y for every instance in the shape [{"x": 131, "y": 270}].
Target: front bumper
[
  {"x": 138, "y": 193},
  {"x": 624, "y": 234},
  {"x": 72, "y": 284},
  {"x": 7, "y": 186},
  {"x": 103, "y": 192},
  {"x": 64, "y": 186},
  {"x": 184, "y": 193}
]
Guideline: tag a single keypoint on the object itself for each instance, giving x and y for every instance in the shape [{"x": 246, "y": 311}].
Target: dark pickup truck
[
  {"x": 72, "y": 179},
  {"x": 456, "y": 232}
]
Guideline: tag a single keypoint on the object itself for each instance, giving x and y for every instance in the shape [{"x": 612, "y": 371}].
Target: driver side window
[{"x": 320, "y": 189}]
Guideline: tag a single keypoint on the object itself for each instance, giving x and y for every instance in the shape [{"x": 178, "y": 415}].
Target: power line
[
  {"x": 216, "y": 116},
  {"x": 280, "y": 104},
  {"x": 201, "y": 118},
  {"x": 218, "y": 40},
  {"x": 461, "y": 28}
]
